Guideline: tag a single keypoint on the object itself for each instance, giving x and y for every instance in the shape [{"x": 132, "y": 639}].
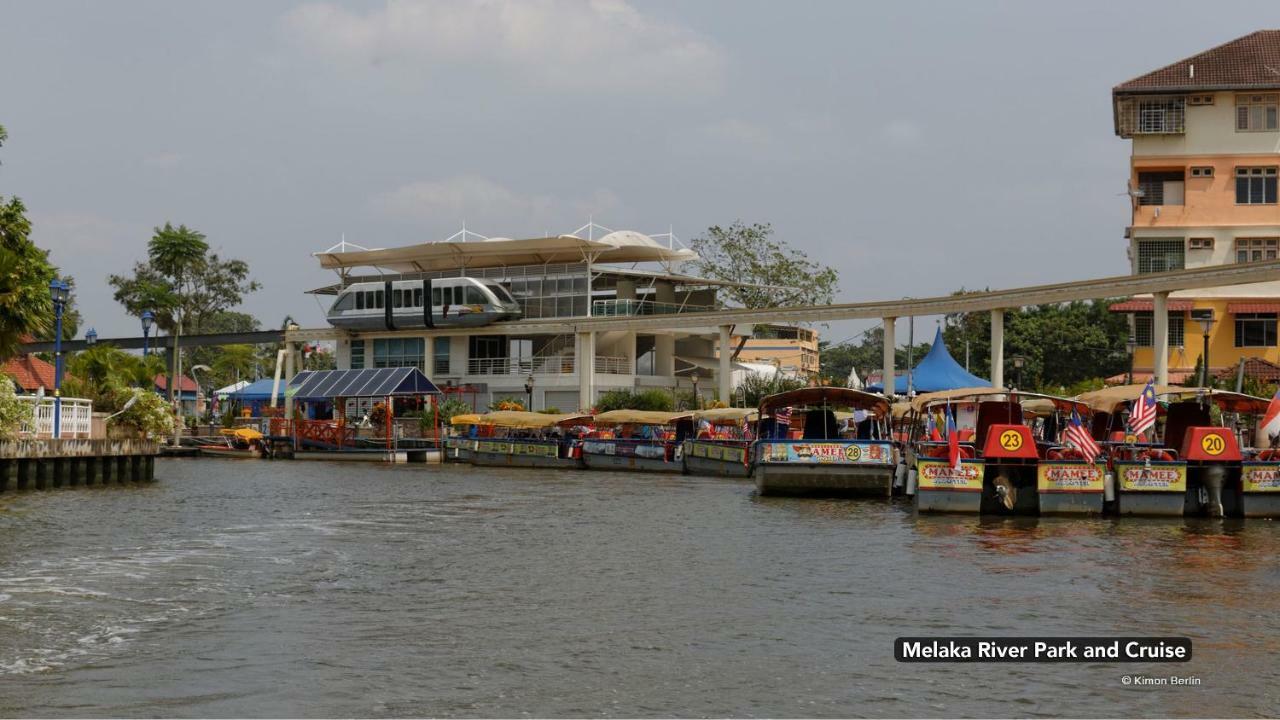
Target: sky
[{"x": 918, "y": 148}]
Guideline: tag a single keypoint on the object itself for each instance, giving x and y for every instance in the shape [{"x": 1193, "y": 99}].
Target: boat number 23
[{"x": 1010, "y": 439}]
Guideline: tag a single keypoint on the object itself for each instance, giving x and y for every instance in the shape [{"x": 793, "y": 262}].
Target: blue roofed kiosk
[
  {"x": 936, "y": 371},
  {"x": 335, "y": 389}
]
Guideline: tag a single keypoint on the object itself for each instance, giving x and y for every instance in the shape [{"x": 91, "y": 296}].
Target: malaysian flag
[
  {"x": 1078, "y": 436},
  {"x": 746, "y": 428},
  {"x": 1143, "y": 415},
  {"x": 953, "y": 439}
]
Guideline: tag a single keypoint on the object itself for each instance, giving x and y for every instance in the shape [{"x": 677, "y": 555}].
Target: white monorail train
[{"x": 398, "y": 304}]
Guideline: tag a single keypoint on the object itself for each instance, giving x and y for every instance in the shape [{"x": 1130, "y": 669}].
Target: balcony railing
[
  {"x": 627, "y": 308},
  {"x": 77, "y": 417},
  {"x": 555, "y": 365}
]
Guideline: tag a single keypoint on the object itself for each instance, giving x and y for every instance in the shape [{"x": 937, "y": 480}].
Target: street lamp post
[
  {"x": 91, "y": 337},
  {"x": 1130, "y": 346},
  {"x": 528, "y": 391},
  {"x": 1205, "y": 318},
  {"x": 1018, "y": 362},
  {"x": 60, "y": 292},
  {"x": 697, "y": 401},
  {"x": 148, "y": 318}
]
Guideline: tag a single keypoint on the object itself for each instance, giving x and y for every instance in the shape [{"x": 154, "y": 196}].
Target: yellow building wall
[{"x": 1222, "y": 350}]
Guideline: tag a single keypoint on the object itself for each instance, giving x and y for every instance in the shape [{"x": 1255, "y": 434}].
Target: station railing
[
  {"x": 628, "y": 308},
  {"x": 543, "y": 366}
]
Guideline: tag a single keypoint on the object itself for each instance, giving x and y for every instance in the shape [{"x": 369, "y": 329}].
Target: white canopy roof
[
  {"x": 231, "y": 388},
  {"x": 616, "y": 247}
]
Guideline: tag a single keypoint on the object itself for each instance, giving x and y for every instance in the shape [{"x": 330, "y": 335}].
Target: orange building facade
[{"x": 1205, "y": 137}]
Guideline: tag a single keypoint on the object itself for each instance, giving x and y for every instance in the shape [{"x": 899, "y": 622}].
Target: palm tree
[{"x": 237, "y": 362}]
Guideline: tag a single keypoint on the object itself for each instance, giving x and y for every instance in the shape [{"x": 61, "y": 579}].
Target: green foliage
[
  {"x": 1063, "y": 344},
  {"x": 182, "y": 281},
  {"x": 149, "y": 416},
  {"x": 14, "y": 413},
  {"x": 234, "y": 363},
  {"x": 507, "y": 403},
  {"x": 447, "y": 410},
  {"x": 750, "y": 254},
  {"x": 653, "y": 399},
  {"x": 757, "y": 387},
  {"x": 25, "y": 273},
  {"x": 865, "y": 355}
]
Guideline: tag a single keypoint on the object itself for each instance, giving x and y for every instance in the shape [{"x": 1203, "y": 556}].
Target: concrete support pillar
[
  {"x": 1160, "y": 344},
  {"x": 629, "y": 351},
  {"x": 997, "y": 348},
  {"x": 725, "y": 375},
  {"x": 626, "y": 289},
  {"x": 585, "y": 364},
  {"x": 291, "y": 350},
  {"x": 889, "y": 356},
  {"x": 664, "y": 346},
  {"x": 429, "y": 356}
]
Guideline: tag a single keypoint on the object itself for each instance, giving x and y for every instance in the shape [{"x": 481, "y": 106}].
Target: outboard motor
[{"x": 1213, "y": 477}]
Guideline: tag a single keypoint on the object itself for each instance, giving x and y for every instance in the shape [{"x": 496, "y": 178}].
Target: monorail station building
[{"x": 499, "y": 316}]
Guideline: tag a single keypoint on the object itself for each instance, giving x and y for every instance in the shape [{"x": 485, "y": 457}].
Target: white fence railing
[
  {"x": 554, "y": 365},
  {"x": 77, "y": 417}
]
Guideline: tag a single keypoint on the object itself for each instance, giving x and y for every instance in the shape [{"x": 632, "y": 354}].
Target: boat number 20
[
  {"x": 1010, "y": 439},
  {"x": 1212, "y": 444}
]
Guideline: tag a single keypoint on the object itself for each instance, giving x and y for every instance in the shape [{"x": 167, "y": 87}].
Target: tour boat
[
  {"x": 637, "y": 440},
  {"x": 722, "y": 446},
  {"x": 244, "y": 443},
  {"x": 1012, "y": 458},
  {"x": 1190, "y": 464},
  {"x": 802, "y": 450},
  {"x": 511, "y": 438}
]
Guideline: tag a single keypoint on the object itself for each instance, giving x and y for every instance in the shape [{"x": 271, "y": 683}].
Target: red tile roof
[
  {"x": 1253, "y": 307},
  {"x": 30, "y": 373},
  {"x": 1149, "y": 305},
  {"x": 1249, "y": 62},
  {"x": 1176, "y": 377},
  {"x": 185, "y": 384},
  {"x": 1254, "y": 367}
]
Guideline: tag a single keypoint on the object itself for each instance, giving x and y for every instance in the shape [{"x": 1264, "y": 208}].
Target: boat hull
[
  {"x": 719, "y": 459},
  {"x": 829, "y": 468},
  {"x": 1156, "y": 488},
  {"x": 507, "y": 453},
  {"x": 1071, "y": 487}
]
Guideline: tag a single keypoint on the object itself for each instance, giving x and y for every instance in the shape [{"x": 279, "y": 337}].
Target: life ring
[{"x": 1156, "y": 454}]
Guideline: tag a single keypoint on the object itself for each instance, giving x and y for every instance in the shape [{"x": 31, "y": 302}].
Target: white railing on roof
[{"x": 77, "y": 417}]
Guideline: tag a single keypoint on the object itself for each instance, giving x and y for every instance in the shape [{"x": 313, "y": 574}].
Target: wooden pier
[{"x": 46, "y": 464}]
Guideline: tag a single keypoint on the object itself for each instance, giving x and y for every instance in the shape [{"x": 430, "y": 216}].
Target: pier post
[
  {"x": 121, "y": 469},
  {"x": 726, "y": 366},
  {"x": 135, "y": 468},
  {"x": 92, "y": 470},
  {"x": 1160, "y": 344},
  {"x": 149, "y": 468},
  {"x": 889, "y": 356},
  {"x": 44, "y": 469},
  {"x": 8, "y": 474},
  {"x": 27, "y": 473},
  {"x": 586, "y": 366},
  {"x": 997, "y": 348}
]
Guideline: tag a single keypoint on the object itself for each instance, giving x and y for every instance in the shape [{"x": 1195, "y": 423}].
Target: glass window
[
  {"x": 1256, "y": 249},
  {"x": 397, "y": 297},
  {"x": 1255, "y": 329},
  {"x": 1255, "y": 185},
  {"x": 1144, "y": 330},
  {"x": 397, "y": 352},
  {"x": 436, "y": 294},
  {"x": 346, "y": 302},
  {"x": 417, "y": 297},
  {"x": 357, "y": 354},
  {"x": 1152, "y": 186},
  {"x": 1161, "y": 255},
  {"x": 377, "y": 299},
  {"x": 475, "y": 296},
  {"x": 441, "y": 348},
  {"x": 1256, "y": 113}
]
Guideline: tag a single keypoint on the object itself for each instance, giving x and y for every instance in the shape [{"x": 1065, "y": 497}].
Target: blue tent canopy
[
  {"x": 937, "y": 371},
  {"x": 257, "y": 390},
  {"x": 372, "y": 382}
]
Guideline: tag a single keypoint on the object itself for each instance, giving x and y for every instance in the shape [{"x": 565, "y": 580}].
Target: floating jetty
[{"x": 42, "y": 464}]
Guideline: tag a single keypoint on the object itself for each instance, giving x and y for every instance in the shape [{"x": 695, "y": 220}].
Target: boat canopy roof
[
  {"x": 1035, "y": 403},
  {"x": 640, "y": 417},
  {"x": 727, "y": 416},
  {"x": 1115, "y": 398},
  {"x": 520, "y": 419},
  {"x": 623, "y": 246},
  {"x": 371, "y": 382},
  {"x": 827, "y": 395}
]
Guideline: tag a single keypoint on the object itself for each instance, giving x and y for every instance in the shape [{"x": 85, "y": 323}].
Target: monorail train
[{"x": 392, "y": 305}]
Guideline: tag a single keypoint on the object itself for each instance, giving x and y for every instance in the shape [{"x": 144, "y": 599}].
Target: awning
[
  {"x": 708, "y": 363},
  {"x": 1149, "y": 306},
  {"x": 640, "y": 417},
  {"x": 1253, "y": 307},
  {"x": 373, "y": 382},
  {"x": 616, "y": 247}
]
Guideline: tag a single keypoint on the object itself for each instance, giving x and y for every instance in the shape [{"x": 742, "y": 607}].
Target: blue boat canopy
[
  {"x": 373, "y": 382},
  {"x": 937, "y": 371}
]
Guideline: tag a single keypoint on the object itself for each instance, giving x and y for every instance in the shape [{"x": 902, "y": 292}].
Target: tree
[
  {"x": 14, "y": 413},
  {"x": 755, "y": 387},
  {"x": 865, "y": 355},
  {"x": 235, "y": 363},
  {"x": 25, "y": 272},
  {"x": 182, "y": 281},
  {"x": 1063, "y": 345},
  {"x": 749, "y": 254},
  {"x": 657, "y": 400}
]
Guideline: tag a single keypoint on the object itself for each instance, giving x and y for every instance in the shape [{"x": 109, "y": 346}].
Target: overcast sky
[{"x": 916, "y": 147}]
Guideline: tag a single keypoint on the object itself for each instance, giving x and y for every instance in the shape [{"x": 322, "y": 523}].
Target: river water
[{"x": 248, "y": 588}]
